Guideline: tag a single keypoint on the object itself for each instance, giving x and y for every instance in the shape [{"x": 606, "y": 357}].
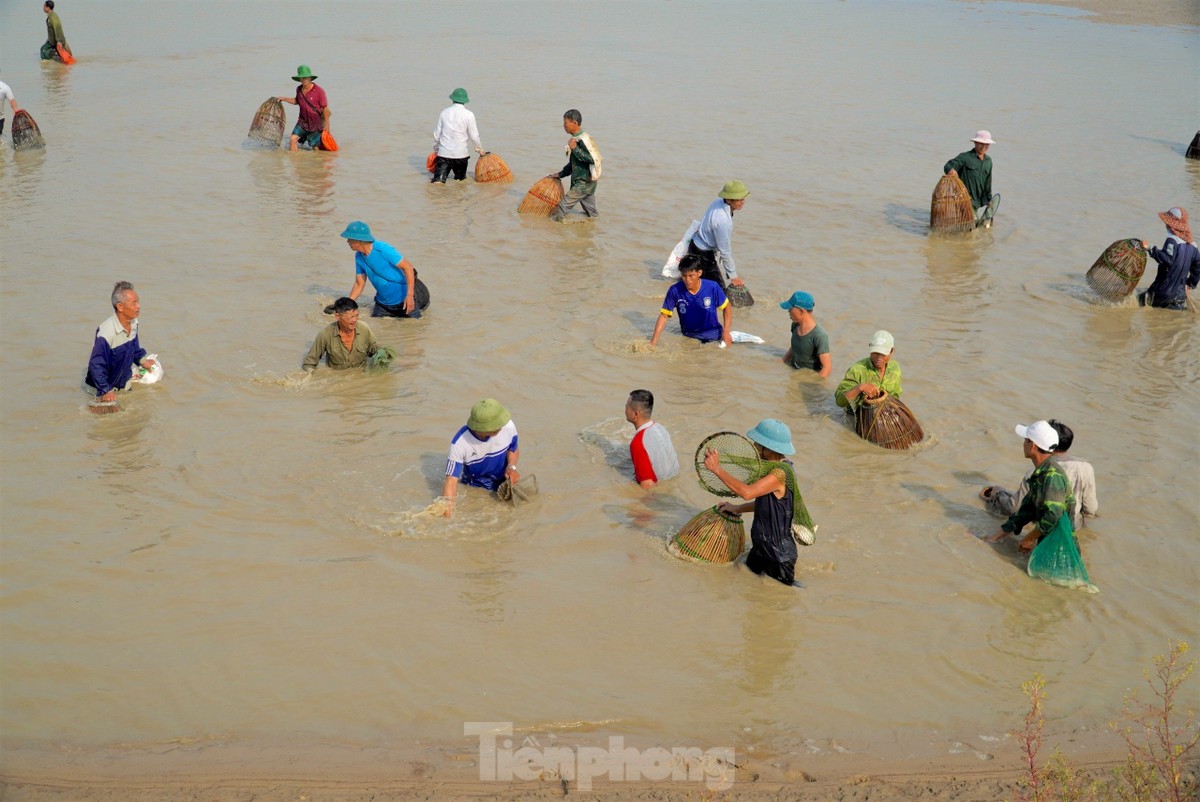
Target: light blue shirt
[
  {"x": 391, "y": 286},
  {"x": 716, "y": 234}
]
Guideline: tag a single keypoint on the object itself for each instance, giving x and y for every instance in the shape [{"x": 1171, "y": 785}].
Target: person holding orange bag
[
  {"x": 54, "y": 35},
  {"x": 314, "y": 110}
]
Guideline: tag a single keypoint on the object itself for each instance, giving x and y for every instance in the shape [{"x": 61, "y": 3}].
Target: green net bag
[
  {"x": 1057, "y": 559},
  {"x": 381, "y": 360}
]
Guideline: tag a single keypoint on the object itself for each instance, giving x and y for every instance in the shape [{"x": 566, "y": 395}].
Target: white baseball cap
[
  {"x": 882, "y": 342},
  {"x": 1041, "y": 433}
]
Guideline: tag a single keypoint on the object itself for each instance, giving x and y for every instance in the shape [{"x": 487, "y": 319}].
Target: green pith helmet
[{"x": 303, "y": 71}]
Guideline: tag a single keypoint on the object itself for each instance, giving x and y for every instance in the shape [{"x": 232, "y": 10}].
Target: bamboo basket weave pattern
[
  {"x": 491, "y": 169},
  {"x": 711, "y": 537},
  {"x": 267, "y": 126},
  {"x": 1118, "y": 270},
  {"x": 25, "y": 132},
  {"x": 886, "y": 421},
  {"x": 950, "y": 209},
  {"x": 542, "y": 198}
]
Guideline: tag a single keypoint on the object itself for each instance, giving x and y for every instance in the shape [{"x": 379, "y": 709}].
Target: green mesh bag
[
  {"x": 381, "y": 360},
  {"x": 1057, "y": 559},
  {"x": 758, "y": 468}
]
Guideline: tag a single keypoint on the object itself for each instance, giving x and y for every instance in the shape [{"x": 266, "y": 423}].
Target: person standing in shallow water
[
  {"x": 810, "y": 343},
  {"x": 583, "y": 166},
  {"x": 1178, "y": 264},
  {"x": 314, "y": 110},
  {"x": 455, "y": 129},
  {"x": 116, "y": 348},
  {"x": 773, "y": 550},
  {"x": 345, "y": 343},
  {"x": 713, "y": 240},
  {"x": 974, "y": 167},
  {"x": 54, "y": 34}
]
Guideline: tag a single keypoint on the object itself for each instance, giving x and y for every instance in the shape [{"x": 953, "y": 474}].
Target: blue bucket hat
[
  {"x": 799, "y": 300},
  {"x": 359, "y": 231},
  {"x": 773, "y": 434}
]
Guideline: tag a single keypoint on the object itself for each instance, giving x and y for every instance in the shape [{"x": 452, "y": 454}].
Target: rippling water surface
[{"x": 245, "y": 555}]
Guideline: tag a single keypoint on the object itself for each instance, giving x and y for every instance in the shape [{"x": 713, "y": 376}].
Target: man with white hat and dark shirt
[{"x": 974, "y": 167}]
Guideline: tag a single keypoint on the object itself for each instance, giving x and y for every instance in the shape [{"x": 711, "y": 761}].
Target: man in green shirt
[
  {"x": 1049, "y": 497},
  {"x": 345, "y": 343},
  {"x": 810, "y": 343},
  {"x": 974, "y": 167},
  {"x": 868, "y": 378},
  {"x": 583, "y": 165},
  {"x": 54, "y": 34}
]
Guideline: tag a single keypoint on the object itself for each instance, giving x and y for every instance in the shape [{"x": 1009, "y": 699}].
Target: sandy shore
[
  {"x": 217, "y": 771},
  {"x": 1128, "y": 12}
]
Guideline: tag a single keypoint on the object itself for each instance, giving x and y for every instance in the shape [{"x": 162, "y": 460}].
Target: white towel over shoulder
[{"x": 594, "y": 149}]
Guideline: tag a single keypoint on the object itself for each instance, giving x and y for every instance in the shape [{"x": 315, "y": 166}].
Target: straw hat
[
  {"x": 303, "y": 71},
  {"x": 460, "y": 96},
  {"x": 773, "y": 434},
  {"x": 1177, "y": 220},
  {"x": 983, "y": 138},
  {"x": 488, "y": 416},
  {"x": 733, "y": 190},
  {"x": 358, "y": 231}
]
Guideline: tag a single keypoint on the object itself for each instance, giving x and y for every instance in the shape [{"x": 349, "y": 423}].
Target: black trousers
[
  {"x": 442, "y": 167},
  {"x": 708, "y": 264},
  {"x": 782, "y": 572}
]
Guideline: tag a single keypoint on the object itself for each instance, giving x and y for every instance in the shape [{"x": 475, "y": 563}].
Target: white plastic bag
[
  {"x": 671, "y": 268},
  {"x": 151, "y": 376}
]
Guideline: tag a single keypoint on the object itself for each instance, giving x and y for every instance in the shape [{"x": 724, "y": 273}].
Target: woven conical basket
[
  {"x": 711, "y": 537},
  {"x": 1118, "y": 270},
  {"x": 491, "y": 169},
  {"x": 886, "y": 421},
  {"x": 542, "y": 198},
  {"x": 267, "y": 126},
  {"x": 950, "y": 209},
  {"x": 25, "y": 132}
]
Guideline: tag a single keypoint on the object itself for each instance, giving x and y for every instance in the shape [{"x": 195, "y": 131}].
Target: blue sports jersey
[
  {"x": 481, "y": 462},
  {"x": 697, "y": 313},
  {"x": 379, "y": 267}
]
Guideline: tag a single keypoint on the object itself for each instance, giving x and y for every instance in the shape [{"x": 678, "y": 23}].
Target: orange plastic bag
[
  {"x": 430, "y": 161},
  {"x": 327, "y": 141},
  {"x": 65, "y": 54}
]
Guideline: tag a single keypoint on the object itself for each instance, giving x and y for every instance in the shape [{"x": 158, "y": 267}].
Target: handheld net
[
  {"x": 886, "y": 421},
  {"x": 1057, "y": 559},
  {"x": 267, "y": 126},
  {"x": 1193, "y": 151},
  {"x": 491, "y": 169},
  {"x": 525, "y": 488},
  {"x": 1118, "y": 270},
  {"x": 739, "y": 297},
  {"x": 25, "y": 132},
  {"x": 711, "y": 537},
  {"x": 542, "y": 198},
  {"x": 381, "y": 360},
  {"x": 950, "y": 208}
]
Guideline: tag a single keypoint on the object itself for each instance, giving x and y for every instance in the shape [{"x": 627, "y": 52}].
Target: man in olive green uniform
[
  {"x": 54, "y": 34},
  {"x": 974, "y": 167},
  {"x": 583, "y": 165}
]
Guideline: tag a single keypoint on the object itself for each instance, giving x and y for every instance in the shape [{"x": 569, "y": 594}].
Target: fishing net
[
  {"x": 267, "y": 126},
  {"x": 950, "y": 209},
  {"x": 25, "y": 132},
  {"x": 739, "y": 297},
  {"x": 525, "y": 488},
  {"x": 542, "y": 198},
  {"x": 1193, "y": 151},
  {"x": 886, "y": 421},
  {"x": 1057, "y": 559},
  {"x": 381, "y": 360},
  {"x": 491, "y": 169},
  {"x": 711, "y": 537},
  {"x": 738, "y": 457},
  {"x": 1118, "y": 270}
]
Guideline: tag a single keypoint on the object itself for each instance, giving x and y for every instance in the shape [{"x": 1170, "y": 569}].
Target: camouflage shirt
[{"x": 1049, "y": 498}]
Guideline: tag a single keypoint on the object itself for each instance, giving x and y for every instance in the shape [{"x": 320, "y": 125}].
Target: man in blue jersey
[
  {"x": 116, "y": 348},
  {"x": 393, "y": 277},
  {"x": 483, "y": 453},
  {"x": 697, "y": 300}
]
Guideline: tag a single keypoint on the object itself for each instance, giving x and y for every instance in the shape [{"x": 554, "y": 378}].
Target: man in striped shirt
[{"x": 653, "y": 455}]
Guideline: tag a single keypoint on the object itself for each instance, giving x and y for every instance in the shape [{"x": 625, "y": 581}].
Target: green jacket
[
  {"x": 863, "y": 371},
  {"x": 1049, "y": 498},
  {"x": 579, "y": 167},
  {"x": 976, "y": 173},
  {"x": 329, "y": 345},
  {"x": 54, "y": 31}
]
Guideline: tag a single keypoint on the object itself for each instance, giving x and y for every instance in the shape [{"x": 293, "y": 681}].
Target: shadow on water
[{"x": 1177, "y": 147}]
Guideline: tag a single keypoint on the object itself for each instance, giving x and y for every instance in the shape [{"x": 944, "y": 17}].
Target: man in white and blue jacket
[{"x": 116, "y": 348}]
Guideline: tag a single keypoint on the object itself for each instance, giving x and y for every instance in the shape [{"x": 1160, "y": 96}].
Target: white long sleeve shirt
[{"x": 455, "y": 126}]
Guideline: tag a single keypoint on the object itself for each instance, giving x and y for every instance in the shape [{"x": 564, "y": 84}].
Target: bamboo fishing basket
[
  {"x": 887, "y": 422},
  {"x": 711, "y": 537},
  {"x": 950, "y": 209},
  {"x": 25, "y": 132},
  {"x": 542, "y": 198},
  {"x": 1193, "y": 151},
  {"x": 491, "y": 169},
  {"x": 1118, "y": 270},
  {"x": 268, "y": 124}
]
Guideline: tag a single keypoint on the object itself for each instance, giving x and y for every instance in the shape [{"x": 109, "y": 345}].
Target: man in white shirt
[
  {"x": 455, "y": 127},
  {"x": 6, "y": 93}
]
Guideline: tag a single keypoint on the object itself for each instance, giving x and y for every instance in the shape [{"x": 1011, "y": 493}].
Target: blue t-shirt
[
  {"x": 697, "y": 313},
  {"x": 379, "y": 267}
]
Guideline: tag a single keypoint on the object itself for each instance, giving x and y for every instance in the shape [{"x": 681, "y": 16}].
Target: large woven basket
[
  {"x": 25, "y": 132},
  {"x": 950, "y": 209},
  {"x": 886, "y": 421},
  {"x": 267, "y": 126},
  {"x": 1118, "y": 270},
  {"x": 542, "y": 198},
  {"x": 1193, "y": 151},
  {"x": 711, "y": 537},
  {"x": 491, "y": 169}
]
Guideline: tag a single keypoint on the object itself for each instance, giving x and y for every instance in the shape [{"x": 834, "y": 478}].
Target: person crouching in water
[
  {"x": 483, "y": 453},
  {"x": 773, "y": 552}
]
